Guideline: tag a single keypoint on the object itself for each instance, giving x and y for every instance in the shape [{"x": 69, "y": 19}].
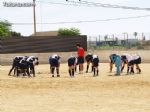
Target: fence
[
  {"x": 41, "y": 44},
  {"x": 119, "y": 41}
]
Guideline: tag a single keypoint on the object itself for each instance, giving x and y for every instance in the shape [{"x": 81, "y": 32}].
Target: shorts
[
  {"x": 131, "y": 63},
  {"x": 54, "y": 63},
  {"x": 95, "y": 62},
  {"x": 137, "y": 61},
  {"x": 71, "y": 62},
  {"x": 80, "y": 60}
]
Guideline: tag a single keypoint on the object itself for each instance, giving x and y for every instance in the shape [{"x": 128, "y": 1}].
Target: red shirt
[{"x": 80, "y": 51}]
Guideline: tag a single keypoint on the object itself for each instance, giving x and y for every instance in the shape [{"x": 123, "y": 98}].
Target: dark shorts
[
  {"x": 80, "y": 60},
  {"x": 131, "y": 63},
  {"x": 89, "y": 60},
  {"x": 71, "y": 62},
  {"x": 54, "y": 63},
  {"x": 137, "y": 61},
  {"x": 95, "y": 62}
]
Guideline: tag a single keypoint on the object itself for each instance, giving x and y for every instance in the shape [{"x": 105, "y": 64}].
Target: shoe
[{"x": 58, "y": 75}]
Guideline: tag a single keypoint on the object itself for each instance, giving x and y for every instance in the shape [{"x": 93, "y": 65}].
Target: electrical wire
[{"x": 88, "y": 21}]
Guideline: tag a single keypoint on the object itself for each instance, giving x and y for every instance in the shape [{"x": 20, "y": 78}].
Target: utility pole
[{"x": 34, "y": 17}]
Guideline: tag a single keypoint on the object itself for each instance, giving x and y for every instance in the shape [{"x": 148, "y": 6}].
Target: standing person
[
  {"x": 80, "y": 53},
  {"x": 54, "y": 62},
  {"x": 95, "y": 63},
  {"x": 88, "y": 59},
  {"x": 72, "y": 64},
  {"x": 118, "y": 64}
]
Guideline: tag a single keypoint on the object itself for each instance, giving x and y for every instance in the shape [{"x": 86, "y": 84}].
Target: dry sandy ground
[{"x": 83, "y": 93}]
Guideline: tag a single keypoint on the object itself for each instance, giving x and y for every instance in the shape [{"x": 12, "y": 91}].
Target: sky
[{"x": 46, "y": 12}]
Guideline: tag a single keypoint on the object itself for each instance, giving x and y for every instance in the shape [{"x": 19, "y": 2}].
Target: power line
[
  {"x": 58, "y": 3},
  {"x": 89, "y": 21},
  {"x": 108, "y": 5},
  {"x": 93, "y": 4}
]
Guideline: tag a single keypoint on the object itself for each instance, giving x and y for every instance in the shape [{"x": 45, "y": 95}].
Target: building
[{"x": 46, "y": 33}]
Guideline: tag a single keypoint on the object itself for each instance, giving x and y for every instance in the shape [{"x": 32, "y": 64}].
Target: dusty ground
[{"x": 83, "y": 93}]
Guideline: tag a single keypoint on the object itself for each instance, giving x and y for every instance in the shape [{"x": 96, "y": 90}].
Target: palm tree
[
  {"x": 105, "y": 37},
  {"x": 135, "y": 34}
]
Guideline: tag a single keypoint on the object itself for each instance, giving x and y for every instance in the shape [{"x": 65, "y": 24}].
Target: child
[
  {"x": 137, "y": 61},
  {"x": 72, "y": 64},
  {"x": 123, "y": 62},
  {"x": 95, "y": 62},
  {"x": 130, "y": 64},
  {"x": 88, "y": 59},
  {"x": 16, "y": 60},
  {"x": 112, "y": 61},
  {"x": 118, "y": 64},
  {"x": 54, "y": 62}
]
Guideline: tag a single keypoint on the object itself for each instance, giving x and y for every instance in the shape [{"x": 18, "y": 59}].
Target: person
[
  {"x": 32, "y": 61},
  {"x": 16, "y": 60},
  {"x": 137, "y": 61},
  {"x": 80, "y": 53},
  {"x": 95, "y": 63},
  {"x": 123, "y": 62},
  {"x": 111, "y": 61},
  {"x": 130, "y": 64},
  {"x": 117, "y": 64},
  {"x": 54, "y": 62},
  {"x": 88, "y": 59},
  {"x": 72, "y": 64}
]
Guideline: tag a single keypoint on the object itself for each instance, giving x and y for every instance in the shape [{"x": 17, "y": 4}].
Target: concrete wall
[{"x": 6, "y": 59}]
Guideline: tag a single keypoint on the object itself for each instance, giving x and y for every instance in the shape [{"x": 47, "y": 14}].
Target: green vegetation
[
  {"x": 5, "y": 30},
  {"x": 68, "y": 32}
]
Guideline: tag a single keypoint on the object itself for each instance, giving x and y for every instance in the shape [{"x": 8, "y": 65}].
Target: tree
[
  {"x": 106, "y": 37},
  {"x": 135, "y": 34},
  {"x": 68, "y": 32},
  {"x": 15, "y": 34},
  {"x": 5, "y": 28}
]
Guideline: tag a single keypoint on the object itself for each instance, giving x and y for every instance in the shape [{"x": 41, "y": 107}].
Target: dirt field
[{"x": 84, "y": 93}]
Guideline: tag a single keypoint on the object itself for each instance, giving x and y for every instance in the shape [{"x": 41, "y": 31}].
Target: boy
[
  {"x": 137, "y": 61},
  {"x": 54, "y": 62},
  {"x": 95, "y": 62},
  {"x": 72, "y": 64},
  {"x": 16, "y": 60},
  {"x": 111, "y": 61},
  {"x": 32, "y": 61},
  {"x": 88, "y": 59},
  {"x": 117, "y": 64},
  {"x": 80, "y": 53}
]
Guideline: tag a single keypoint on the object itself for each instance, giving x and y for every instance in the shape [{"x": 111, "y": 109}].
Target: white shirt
[
  {"x": 135, "y": 57},
  {"x": 129, "y": 57}
]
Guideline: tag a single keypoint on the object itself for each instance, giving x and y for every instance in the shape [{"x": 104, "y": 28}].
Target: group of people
[
  {"x": 125, "y": 59},
  {"x": 25, "y": 64},
  {"x": 74, "y": 61}
]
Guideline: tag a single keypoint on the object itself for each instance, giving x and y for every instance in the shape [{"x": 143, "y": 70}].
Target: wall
[
  {"x": 41, "y": 44},
  {"x": 6, "y": 59}
]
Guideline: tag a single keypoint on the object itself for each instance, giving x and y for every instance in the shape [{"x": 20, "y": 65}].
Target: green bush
[{"x": 68, "y": 32}]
